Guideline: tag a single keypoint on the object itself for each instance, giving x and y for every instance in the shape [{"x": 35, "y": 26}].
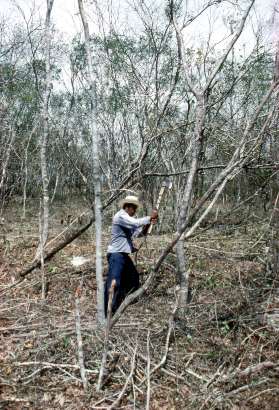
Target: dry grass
[{"x": 227, "y": 327}]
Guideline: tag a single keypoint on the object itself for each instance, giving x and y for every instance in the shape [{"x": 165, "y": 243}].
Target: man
[{"x": 122, "y": 272}]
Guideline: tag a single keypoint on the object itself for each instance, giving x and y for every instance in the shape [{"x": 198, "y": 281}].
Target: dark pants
[{"x": 122, "y": 269}]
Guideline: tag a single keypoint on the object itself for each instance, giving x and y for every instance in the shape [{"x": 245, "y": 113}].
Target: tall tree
[
  {"x": 45, "y": 126},
  {"x": 96, "y": 167},
  {"x": 201, "y": 94}
]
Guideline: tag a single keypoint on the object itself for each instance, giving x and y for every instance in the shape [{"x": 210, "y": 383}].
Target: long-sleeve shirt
[{"x": 124, "y": 229}]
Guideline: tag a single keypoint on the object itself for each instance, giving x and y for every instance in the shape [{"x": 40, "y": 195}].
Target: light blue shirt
[{"x": 124, "y": 229}]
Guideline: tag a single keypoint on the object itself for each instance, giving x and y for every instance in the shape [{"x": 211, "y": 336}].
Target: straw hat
[{"x": 130, "y": 199}]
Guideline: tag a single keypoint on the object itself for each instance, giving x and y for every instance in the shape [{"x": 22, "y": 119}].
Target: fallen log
[
  {"x": 49, "y": 253},
  {"x": 70, "y": 236}
]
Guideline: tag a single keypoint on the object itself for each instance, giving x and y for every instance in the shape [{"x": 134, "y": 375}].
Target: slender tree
[
  {"x": 201, "y": 94},
  {"x": 96, "y": 167},
  {"x": 45, "y": 126}
]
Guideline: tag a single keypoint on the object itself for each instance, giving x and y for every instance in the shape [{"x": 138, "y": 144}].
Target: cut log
[{"x": 49, "y": 253}]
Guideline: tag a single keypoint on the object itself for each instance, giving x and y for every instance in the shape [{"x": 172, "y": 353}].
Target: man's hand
[
  {"x": 153, "y": 221},
  {"x": 154, "y": 216}
]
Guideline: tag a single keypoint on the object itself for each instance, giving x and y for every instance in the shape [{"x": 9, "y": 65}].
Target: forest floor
[{"x": 221, "y": 352}]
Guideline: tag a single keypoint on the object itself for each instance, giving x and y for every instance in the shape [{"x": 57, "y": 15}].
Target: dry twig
[
  {"x": 129, "y": 378},
  {"x": 79, "y": 340},
  {"x": 148, "y": 371}
]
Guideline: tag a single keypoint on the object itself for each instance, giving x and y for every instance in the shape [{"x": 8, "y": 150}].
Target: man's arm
[
  {"x": 130, "y": 222},
  {"x": 143, "y": 231}
]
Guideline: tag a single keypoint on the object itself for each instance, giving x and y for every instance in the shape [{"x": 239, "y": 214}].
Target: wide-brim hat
[{"x": 130, "y": 199}]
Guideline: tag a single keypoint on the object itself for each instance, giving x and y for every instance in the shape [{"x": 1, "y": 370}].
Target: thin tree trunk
[
  {"x": 182, "y": 264},
  {"x": 96, "y": 170},
  {"x": 43, "y": 276},
  {"x": 106, "y": 341},
  {"x": 55, "y": 187},
  {"x": 45, "y": 129},
  {"x": 201, "y": 96}
]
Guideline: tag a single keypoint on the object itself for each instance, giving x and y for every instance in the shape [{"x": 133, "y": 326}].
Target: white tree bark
[
  {"x": 183, "y": 269},
  {"x": 201, "y": 94},
  {"x": 45, "y": 128},
  {"x": 96, "y": 169}
]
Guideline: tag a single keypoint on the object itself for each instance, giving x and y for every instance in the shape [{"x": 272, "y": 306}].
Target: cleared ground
[{"x": 220, "y": 353}]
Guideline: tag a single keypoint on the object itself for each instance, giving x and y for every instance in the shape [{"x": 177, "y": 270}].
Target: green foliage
[
  {"x": 173, "y": 8},
  {"x": 140, "y": 92},
  {"x": 66, "y": 342},
  {"x": 225, "y": 328}
]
